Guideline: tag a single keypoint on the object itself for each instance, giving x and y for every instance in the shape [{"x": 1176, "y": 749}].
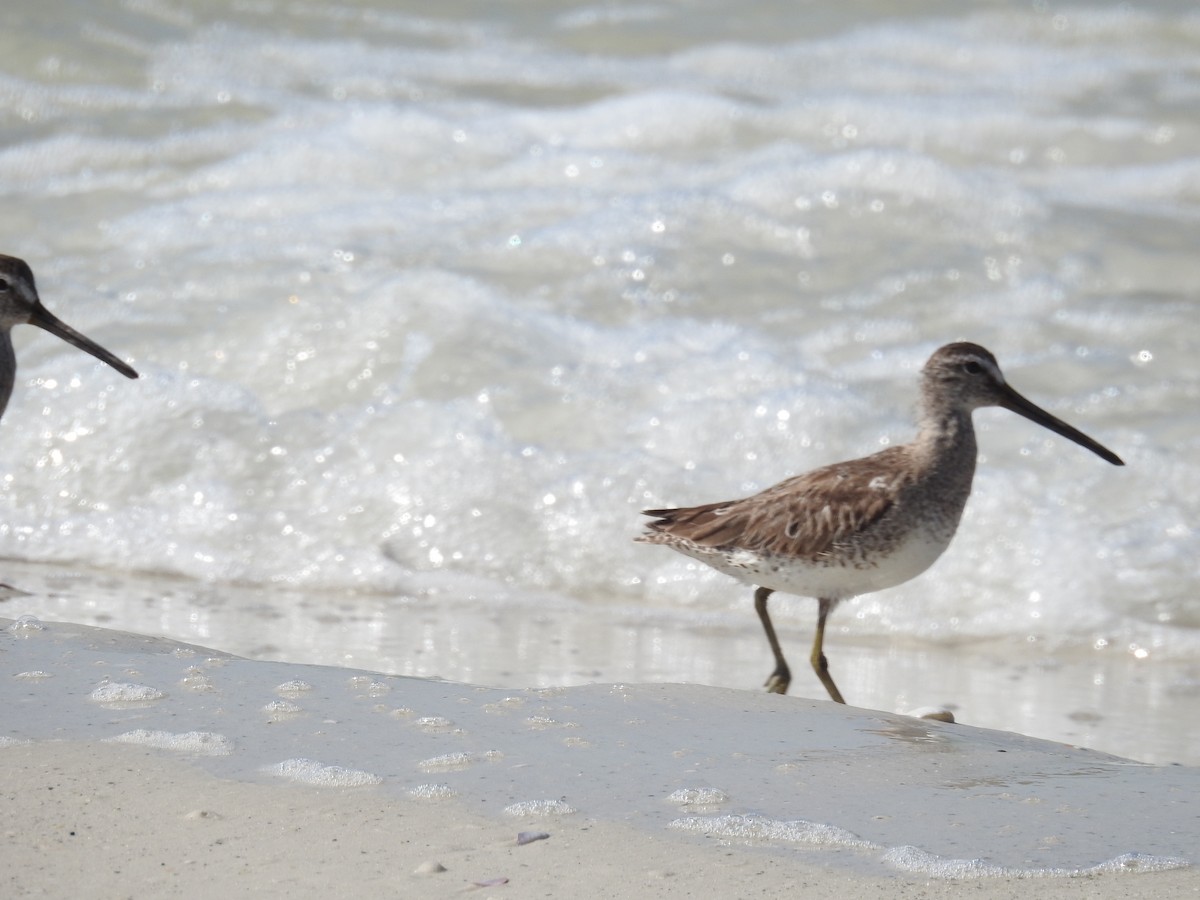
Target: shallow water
[{"x": 429, "y": 305}]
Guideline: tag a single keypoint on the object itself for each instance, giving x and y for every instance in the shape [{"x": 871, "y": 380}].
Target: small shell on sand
[
  {"x": 203, "y": 815},
  {"x": 936, "y": 713}
]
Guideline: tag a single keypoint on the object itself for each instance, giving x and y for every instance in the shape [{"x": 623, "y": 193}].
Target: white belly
[{"x": 833, "y": 579}]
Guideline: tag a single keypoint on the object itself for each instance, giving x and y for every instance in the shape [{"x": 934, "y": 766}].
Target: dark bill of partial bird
[{"x": 44, "y": 319}]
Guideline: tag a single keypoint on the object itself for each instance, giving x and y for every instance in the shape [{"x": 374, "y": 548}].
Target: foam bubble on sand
[
  {"x": 203, "y": 743},
  {"x": 373, "y": 687},
  {"x": 435, "y": 724},
  {"x": 539, "y": 808},
  {"x": 448, "y": 762},
  {"x": 914, "y": 859},
  {"x": 6, "y": 741},
  {"x": 504, "y": 705},
  {"x": 196, "y": 679},
  {"x": 25, "y": 626},
  {"x": 278, "y": 710},
  {"x": 541, "y": 723},
  {"x": 797, "y": 831},
  {"x": 1131, "y": 862},
  {"x": 293, "y": 687},
  {"x": 438, "y": 791},
  {"x": 309, "y": 771},
  {"x": 698, "y": 798},
  {"x": 118, "y": 693}
]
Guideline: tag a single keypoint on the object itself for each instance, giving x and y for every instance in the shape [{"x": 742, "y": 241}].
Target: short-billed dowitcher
[
  {"x": 864, "y": 525},
  {"x": 19, "y": 305}
]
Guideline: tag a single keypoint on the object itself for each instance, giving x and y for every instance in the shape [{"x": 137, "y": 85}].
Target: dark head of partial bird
[{"x": 20, "y": 305}]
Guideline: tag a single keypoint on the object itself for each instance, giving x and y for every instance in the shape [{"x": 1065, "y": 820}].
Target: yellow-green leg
[
  {"x": 778, "y": 681},
  {"x": 819, "y": 663}
]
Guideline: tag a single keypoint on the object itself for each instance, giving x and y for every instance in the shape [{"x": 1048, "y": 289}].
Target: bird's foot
[{"x": 778, "y": 682}]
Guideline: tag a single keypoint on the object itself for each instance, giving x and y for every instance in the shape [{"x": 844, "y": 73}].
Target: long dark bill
[
  {"x": 43, "y": 318},
  {"x": 1016, "y": 403}
]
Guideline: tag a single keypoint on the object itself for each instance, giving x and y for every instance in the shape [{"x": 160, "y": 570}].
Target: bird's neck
[
  {"x": 8, "y": 368},
  {"x": 946, "y": 438}
]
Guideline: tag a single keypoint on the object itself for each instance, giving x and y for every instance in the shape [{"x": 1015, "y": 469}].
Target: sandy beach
[
  {"x": 428, "y": 301},
  {"x": 135, "y": 766},
  {"x": 127, "y": 821}
]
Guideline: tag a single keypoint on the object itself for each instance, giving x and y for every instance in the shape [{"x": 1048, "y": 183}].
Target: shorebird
[
  {"x": 20, "y": 305},
  {"x": 864, "y": 525}
]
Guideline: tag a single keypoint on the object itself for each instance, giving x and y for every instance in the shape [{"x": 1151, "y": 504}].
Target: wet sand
[
  {"x": 140, "y": 766},
  {"x": 114, "y": 820}
]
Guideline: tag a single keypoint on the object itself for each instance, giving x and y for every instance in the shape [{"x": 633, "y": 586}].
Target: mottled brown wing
[{"x": 801, "y": 517}]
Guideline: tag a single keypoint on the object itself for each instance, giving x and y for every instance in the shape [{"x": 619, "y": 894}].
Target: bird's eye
[
  {"x": 972, "y": 368},
  {"x": 3, "y": 284}
]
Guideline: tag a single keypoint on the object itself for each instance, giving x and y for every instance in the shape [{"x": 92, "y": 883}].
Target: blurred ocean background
[{"x": 430, "y": 300}]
